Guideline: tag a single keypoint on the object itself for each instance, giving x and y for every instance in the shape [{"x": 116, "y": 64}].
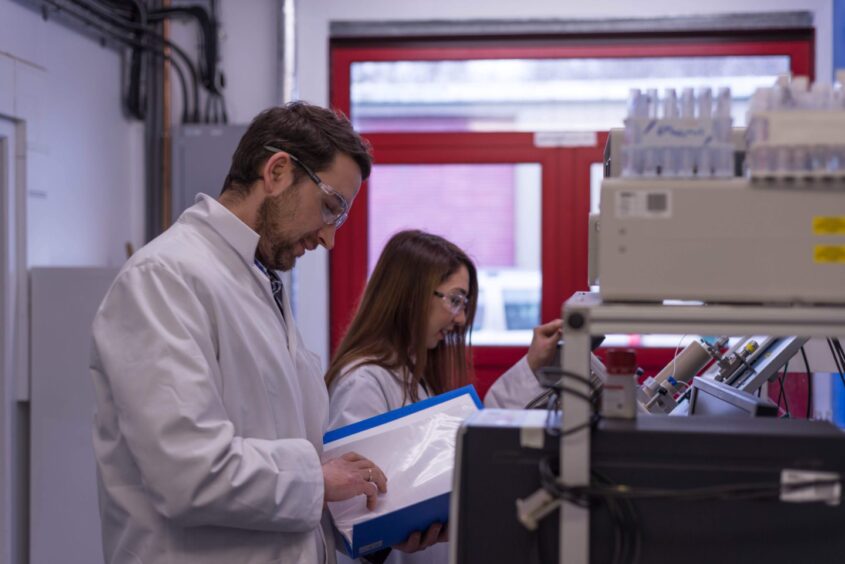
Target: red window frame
[{"x": 564, "y": 210}]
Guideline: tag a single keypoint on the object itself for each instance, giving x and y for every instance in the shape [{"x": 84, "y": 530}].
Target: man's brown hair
[{"x": 312, "y": 134}]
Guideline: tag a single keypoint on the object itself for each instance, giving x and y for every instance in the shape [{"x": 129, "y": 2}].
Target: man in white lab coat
[{"x": 210, "y": 412}]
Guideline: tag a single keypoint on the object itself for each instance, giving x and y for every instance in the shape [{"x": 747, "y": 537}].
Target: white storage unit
[{"x": 64, "y": 517}]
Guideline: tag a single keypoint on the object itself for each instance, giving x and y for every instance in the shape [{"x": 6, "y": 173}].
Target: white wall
[
  {"x": 314, "y": 16},
  {"x": 248, "y": 48},
  {"x": 81, "y": 163},
  {"x": 83, "y": 175},
  {"x": 85, "y": 159}
]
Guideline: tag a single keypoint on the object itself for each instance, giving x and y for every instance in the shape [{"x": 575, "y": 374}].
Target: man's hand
[
  {"x": 438, "y": 532},
  {"x": 352, "y": 475},
  {"x": 543, "y": 344}
]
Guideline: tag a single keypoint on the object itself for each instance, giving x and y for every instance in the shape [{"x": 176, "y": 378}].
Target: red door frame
[{"x": 564, "y": 267}]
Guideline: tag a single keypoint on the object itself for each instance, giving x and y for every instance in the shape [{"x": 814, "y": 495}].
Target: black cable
[
  {"x": 145, "y": 30},
  {"x": 215, "y": 108},
  {"x": 205, "y": 111},
  {"x": 582, "y": 495},
  {"x": 557, "y": 371},
  {"x": 732, "y": 492},
  {"x": 619, "y": 500},
  {"x": 619, "y": 542},
  {"x": 148, "y": 31},
  {"x": 610, "y": 494},
  {"x": 102, "y": 14},
  {"x": 210, "y": 30},
  {"x": 838, "y": 347},
  {"x": 577, "y": 393},
  {"x": 126, "y": 8},
  {"x": 159, "y": 51},
  {"x": 177, "y": 69},
  {"x": 208, "y": 39},
  {"x": 224, "y": 114},
  {"x": 834, "y": 355},
  {"x": 633, "y": 529},
  {"x": 782, "y": 381},
  {"x": 553, "y": 406},
  {"x": 552, "y": 398},
  {"x": 548, "y": 479},
  {"x": 549, "y": 482},
  {"x": 220, "y": 114},
  {"x": 633, "y": 525},
  {"x": 556, "y": 432},
  {"x": 625, "y": 518},
  {"x": 838, "y": 357},
  {"x": 221, "y": 102},
  {"x": 809, "y": 382},
  {"x": 840, "y": 366},
  {"x": 136, "y": 102},
  {"x": 183, "y": 87},
  {"x": 620, "y": 535}
]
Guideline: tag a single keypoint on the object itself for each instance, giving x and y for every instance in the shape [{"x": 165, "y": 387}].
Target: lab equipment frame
[{"x": 584, "y": 314}]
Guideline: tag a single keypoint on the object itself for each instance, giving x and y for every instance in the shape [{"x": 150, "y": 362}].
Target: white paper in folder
[{"x": 415, "y": 447}]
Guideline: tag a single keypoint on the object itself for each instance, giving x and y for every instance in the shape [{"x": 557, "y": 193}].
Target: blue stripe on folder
[
  {"x": 377, "y": 420},
  {"x": 395, "y": 527}
]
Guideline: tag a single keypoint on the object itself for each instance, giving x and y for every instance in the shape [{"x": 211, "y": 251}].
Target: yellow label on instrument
[
  {"x": 829, "y": 254},
  {"x": 829, "y": 225}
]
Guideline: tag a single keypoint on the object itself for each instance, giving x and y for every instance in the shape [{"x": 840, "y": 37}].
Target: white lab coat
[
  {"x": 209, "y": 411},
  {"x": 368, "y": 390}
]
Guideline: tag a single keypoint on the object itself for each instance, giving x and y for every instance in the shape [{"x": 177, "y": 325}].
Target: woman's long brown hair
[{"x": 390, "y": 324}]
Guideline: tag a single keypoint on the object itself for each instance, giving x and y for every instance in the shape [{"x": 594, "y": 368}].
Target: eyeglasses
[
  {"x": 456, "y": 303},
  {"x": 335, "y": 208}
]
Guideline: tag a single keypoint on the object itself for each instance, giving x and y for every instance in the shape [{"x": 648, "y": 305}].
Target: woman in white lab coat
[{"x": 409, "y": 340}]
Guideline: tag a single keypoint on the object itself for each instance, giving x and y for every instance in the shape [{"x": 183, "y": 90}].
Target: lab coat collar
[
  {"x": 238, "y": 234},
  {"x": 244, "y": 240}
]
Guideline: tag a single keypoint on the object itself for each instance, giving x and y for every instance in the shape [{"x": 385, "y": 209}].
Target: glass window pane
[
  {"x": 537, "y": 94},
  {"x": 492, "y": 211}
]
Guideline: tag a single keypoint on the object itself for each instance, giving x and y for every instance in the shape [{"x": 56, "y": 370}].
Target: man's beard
[{"x": 276, "y": 246}]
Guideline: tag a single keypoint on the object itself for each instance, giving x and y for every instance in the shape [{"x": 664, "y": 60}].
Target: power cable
[
  {"x": 809, "y": 382},
  {"x": 159, "y": 51},
  {"x": 103, "y": 14}
]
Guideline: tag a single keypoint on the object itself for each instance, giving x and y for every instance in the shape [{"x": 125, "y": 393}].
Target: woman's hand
[
  {"x": 544, "y": 344},
  {"x": 438, "y": 532}
]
